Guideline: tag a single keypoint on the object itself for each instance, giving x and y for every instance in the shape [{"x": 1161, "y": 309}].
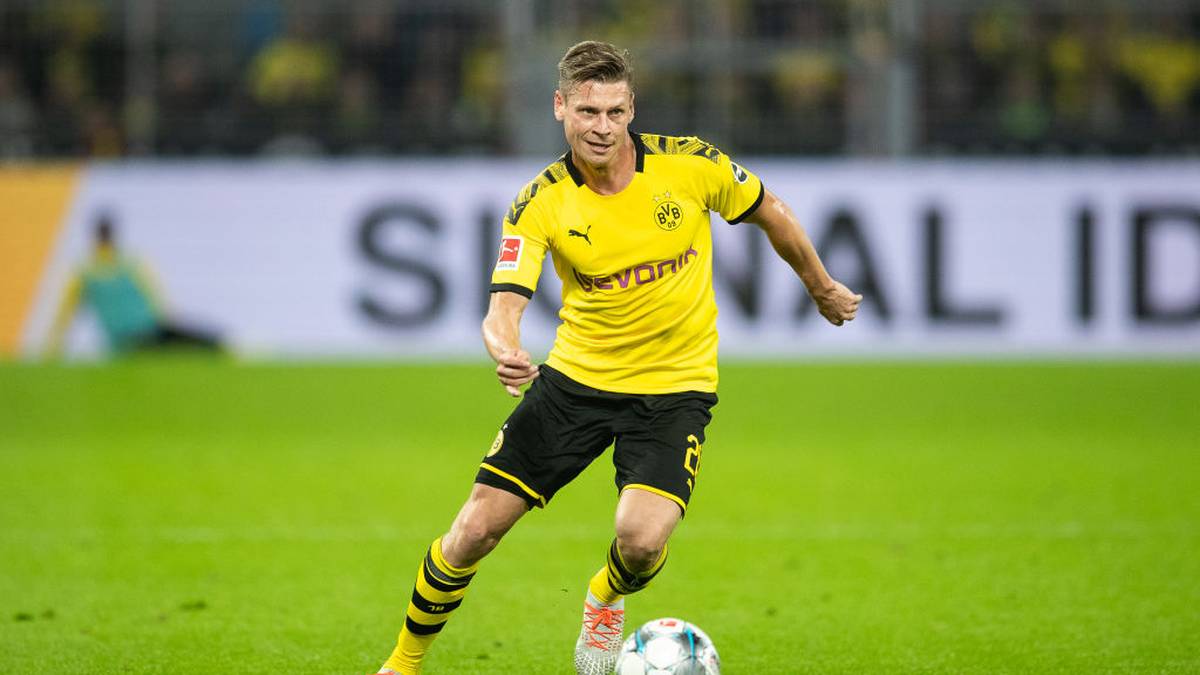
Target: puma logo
[{"x": 583, "y": 235}]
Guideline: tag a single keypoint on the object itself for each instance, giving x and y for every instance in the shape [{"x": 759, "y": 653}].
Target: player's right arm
[
  {"x": 502, "y": 337},
  {"x": 523, "y": 247}
]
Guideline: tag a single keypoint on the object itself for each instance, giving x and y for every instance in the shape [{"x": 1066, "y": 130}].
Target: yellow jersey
[{"x": 638, "y": 313}]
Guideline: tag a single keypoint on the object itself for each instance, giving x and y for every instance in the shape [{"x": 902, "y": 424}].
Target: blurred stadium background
[
  {"x": 995, "y": 469},
  {"x": 173, "y": 78}
]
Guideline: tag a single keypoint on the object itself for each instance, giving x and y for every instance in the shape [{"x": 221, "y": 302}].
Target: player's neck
[{"x": 616, "y": 176}]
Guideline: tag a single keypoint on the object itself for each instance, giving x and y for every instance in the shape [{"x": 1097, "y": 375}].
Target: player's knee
[{"x": 471, "y": 540}]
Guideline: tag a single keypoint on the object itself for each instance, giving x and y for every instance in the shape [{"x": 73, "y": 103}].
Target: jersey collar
[{"x": 639, "y": 151}]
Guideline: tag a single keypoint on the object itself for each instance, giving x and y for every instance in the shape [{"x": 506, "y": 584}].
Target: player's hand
[
  {"x": 837, "y": 303},
  {"x": 515, "y": 369}
]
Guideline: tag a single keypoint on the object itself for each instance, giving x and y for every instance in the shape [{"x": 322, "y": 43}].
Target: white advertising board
[{"x": 392, "y": 259}]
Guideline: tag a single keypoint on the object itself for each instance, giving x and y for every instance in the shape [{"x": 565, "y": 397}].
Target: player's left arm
[
  {"x": 837, "y": 303},
  {"x": 64, "y": 315}
]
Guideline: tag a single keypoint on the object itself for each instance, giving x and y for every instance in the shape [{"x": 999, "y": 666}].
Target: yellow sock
[
  {"x": 438, "y": 591},
  {"x": 600, "y": 588}
]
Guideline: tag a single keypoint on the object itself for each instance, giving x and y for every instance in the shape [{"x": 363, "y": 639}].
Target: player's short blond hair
[{"x": 591, "y": 60}]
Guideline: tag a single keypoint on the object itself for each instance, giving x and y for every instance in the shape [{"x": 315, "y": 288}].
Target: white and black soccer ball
[{"x": 668, "y": 647}]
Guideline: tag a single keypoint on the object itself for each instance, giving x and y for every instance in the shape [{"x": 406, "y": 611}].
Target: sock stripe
[
  {"x": 434, "y": 582},
  {"x": 442, "y": 581},
  {"x": 422, "y": 628},
  {"x": 616, "y": 588},
  {"x": 617, "y": 566},
  {"x": 430, "y": 607},
  {"x": 619, "y": 586},
  {"x": 662, "y": 560},
  {"x": 437, "y": 593},
  {"x": 602, "y": 588},
  {"x": 444, "y": 572},
  {"x": 624, "y": 580}
]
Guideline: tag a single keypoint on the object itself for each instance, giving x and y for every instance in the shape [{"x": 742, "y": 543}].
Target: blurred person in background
[
  {"x": 1084, "y": 93},
  {"x": 1008, "y": 39},
  {"x": 357, "y": 115},
  {"x": 17, "y": 114},
  {"x": 186, "y": 98},
  {"x": 480, "y": 109},
  {"x": 806, "y": 86},
  {"x": 434, "y": 42},
  {"x": 294, "y": 80},
  {"x": 126, "y": 303},
  {"x": 84, "y": 79},
  {"x": 635, "y": 362},
  {"x": 1164, "y": 63}
]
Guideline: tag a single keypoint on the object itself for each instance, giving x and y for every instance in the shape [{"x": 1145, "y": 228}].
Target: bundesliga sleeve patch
[{"x": 510, "y": 253}]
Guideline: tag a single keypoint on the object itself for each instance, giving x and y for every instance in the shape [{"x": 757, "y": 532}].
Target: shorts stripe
[
  {"x": 662, "y": 493},
  {"x": 516, "y": 481}
]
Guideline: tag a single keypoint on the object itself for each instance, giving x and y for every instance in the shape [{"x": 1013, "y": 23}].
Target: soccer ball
[{"x": 668, "y": 647}]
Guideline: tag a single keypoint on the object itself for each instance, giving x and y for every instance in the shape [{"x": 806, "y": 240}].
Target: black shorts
[{"x": 560, "y": 426}]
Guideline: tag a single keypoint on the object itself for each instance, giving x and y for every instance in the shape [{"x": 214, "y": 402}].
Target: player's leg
[
  {"x": 446, "y": 571},
  {"x": 644, "y": 522},
  {"x": 552, "y": 435},
  {"x": 657, "y": 457},
  {"x": 480, "y": 524},
  {"x": 177, "y": 335}
]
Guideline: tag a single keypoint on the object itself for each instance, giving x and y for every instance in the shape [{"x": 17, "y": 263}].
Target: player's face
[{"x": 595, "y": 117}]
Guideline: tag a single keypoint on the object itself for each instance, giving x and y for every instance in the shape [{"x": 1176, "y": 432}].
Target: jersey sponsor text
[{"x": 637, "y": 275}]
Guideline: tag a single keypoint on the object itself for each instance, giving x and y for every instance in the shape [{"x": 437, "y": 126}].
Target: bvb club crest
[{"x": 667, "y": 213}]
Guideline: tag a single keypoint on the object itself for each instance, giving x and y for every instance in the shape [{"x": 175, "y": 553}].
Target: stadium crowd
[{"x": 380, "y": 77}]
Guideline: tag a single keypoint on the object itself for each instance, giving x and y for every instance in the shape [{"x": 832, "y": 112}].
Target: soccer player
[
  {"x": 625, "y": 216},
  {"x": 129, "y": 310}
]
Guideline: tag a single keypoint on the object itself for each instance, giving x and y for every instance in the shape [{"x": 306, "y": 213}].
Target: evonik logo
[{"x": 638, "y": 275}]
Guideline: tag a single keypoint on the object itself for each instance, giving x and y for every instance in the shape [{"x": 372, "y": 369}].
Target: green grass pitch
[{"x": 183, "y": 516}]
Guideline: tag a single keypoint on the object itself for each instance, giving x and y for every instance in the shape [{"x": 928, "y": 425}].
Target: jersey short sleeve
[
  {"x": 523, "y": 244},
  {"x": 733, "y": 191}
]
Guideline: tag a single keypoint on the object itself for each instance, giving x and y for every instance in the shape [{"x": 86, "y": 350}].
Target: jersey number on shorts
[{"x": 691, "y": 459}]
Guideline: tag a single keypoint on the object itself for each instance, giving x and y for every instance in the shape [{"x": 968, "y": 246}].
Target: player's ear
[
  {"x": 631, "y": 108},
  {"x": 560, "y": 106}
]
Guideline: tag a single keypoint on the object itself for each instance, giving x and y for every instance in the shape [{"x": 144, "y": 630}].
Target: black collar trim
[
  {"x": 572, "y": 169},
  {"x": 639, "y": 151}
]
